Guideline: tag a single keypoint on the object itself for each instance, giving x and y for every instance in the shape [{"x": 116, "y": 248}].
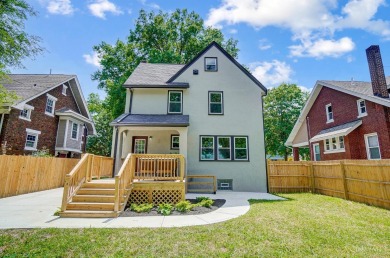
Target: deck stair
[{"x": 95, "y": 199}]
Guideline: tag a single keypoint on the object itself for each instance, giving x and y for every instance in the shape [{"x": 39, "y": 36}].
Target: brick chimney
[{"x": 378, "y": 79}]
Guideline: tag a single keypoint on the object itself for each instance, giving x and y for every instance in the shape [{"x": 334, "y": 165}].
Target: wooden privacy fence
[
  {"x": 366, "y": 181},
  {"x": 27, "y": 174}
]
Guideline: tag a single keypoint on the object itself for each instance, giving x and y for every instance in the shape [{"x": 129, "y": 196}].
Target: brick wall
[
  {"x": 14, "y": 128},
  {"x": 345, "y": 110}
]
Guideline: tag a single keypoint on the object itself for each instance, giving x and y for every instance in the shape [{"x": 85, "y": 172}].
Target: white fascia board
[
  {"x": 341, "y": 132},
  {"x": 32, "y": 131},
  {"x": 302, "y": 144}
]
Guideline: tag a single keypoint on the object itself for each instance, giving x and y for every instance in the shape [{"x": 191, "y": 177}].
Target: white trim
[
  {"x": 74, "y": 115},
  {"x": 54, "y": 100},
  {"x": 328, "y": 113},
  {"x": 302, "y": 144},
  {"x": 181, "y": 101},
  {"x": 66, "y": 132},
  {"x": 360, "y": 114},
  {"x": 341, "y": 132},
  {"x": 51, "y": 97},
  {"x": 246, "y": 148},
  {"x": 368, "y": 148},
  {"x": 77, "y": 132},
  {"x": 32, "y": 131},
  {"x": 331, "y": 149},
  {"x": 220, "y": 103},
  {"x": 334, "y": 151},
  {"x": 175, "y": 148},
  {"x": 64, "y": 88},
  {"x": 68, "y": 149},
  {"x": 1, "y": 122},
  {"x": 314, "y": 151}
]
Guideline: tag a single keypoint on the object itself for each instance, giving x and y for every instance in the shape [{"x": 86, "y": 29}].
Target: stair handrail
[
  {"x": 123, "y": 181},
  {"x": 74, "y": 180}
]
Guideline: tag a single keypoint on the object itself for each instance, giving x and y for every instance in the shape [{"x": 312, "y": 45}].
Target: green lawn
[{"x": 305, "y": 225}]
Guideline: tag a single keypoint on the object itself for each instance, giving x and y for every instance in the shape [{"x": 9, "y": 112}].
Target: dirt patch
[{"x": 195, "y": 211}]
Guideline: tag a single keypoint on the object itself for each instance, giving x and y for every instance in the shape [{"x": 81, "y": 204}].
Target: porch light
[{"x": 150, "y": 138}]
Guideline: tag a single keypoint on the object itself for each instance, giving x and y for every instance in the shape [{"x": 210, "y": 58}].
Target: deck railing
[
  {"x": 123, "y": 182},
  {"x": 158, "y": 166}
]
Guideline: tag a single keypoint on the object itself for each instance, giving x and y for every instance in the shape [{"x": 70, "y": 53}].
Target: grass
[{"x": 306, "y": 225}]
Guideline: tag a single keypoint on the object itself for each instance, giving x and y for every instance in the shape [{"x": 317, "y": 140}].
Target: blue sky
[{"x": 294, "y": 41}]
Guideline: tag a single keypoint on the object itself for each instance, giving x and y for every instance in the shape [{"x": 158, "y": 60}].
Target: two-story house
[
  {"x": 347, "y": 119},
  {"x": 209, "y": 110},
  {"x": 50, "y": 113}
]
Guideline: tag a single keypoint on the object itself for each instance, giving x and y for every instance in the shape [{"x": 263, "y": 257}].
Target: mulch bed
[{"x": 195, "y": 211}]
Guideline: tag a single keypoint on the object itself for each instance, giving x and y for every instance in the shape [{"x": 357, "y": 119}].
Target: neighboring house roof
[
  {"x": 152, "y": 120},
  {"x": 358, "y": 89},
  {"x": 148, "y": 75},
  {"x": 340, "y": 130},
  {"x": 30, "y": 86}
]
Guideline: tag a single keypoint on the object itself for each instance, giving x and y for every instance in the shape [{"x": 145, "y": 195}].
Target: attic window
[
  {"x": 210, "y": 64},
  {"x": 64, "y": 88}
]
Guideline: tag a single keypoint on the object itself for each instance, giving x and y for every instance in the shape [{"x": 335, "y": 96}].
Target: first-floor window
[
  {"x": 316, "y": 150},
  {"x": 224, "y": 148},
  {"x": 175, "y": 139},
  {"x": 334, "y": 144},
  {"x": 207, "y": 148},
  {"x": 31, "y": 139},
  {"x": 372, "y": 146},
  {"x": 75, "y": 130}
]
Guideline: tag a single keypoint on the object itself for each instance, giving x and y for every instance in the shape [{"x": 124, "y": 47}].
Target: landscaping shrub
[
  {"x": 206, "y": 203},
  {"x": 201, "y": 198},
  {"x": 165, "y": 209},
  {"x": 184, "y": 206},
  {"x": 144, "y": 207}
]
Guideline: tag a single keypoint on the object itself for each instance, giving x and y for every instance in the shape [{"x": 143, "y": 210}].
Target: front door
[{"x": 140, "y": 144}]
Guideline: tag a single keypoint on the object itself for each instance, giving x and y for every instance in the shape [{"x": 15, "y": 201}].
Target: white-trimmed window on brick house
[
  {"x": 316, "y": 152},
  {"x": 64, "y": 88},
  {"x": 50, "y": 105},
  {"x": 75, "y": 131},
  {"x": 25, "y": 114},
  {"x": 31, "y": 139},
  {"x": 329, "y": 113},
  {"x": 215, "y": 103},
  {"x": 372, "y": 146},
  {"x": 175, "y": 102},
  {"x": 362, "y": 109},
  {"x": 224, "y": 148},
  {"x": 334, "y": 144},
  {"x": 210, "y": 64}
]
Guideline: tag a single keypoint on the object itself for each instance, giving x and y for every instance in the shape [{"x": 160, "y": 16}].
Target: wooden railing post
[
  {"x": 89, "y": 168},
  {"x": 311, "y": 171},
  {"x": 182, "y": 168},
  {"x": 65, "y": 194},
  {"x": 345, "y": 184}
]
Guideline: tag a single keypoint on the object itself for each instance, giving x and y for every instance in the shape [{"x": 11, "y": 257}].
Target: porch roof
[
  {"x": 340, "y": 130},
  {"x": 151, "y": 120}
]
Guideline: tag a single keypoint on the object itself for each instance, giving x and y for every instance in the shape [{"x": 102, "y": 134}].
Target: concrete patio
[{"x": 35, "y": 210}]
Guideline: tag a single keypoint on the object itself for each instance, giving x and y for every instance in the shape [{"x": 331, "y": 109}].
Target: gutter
[{"x": 265, "y": 149}]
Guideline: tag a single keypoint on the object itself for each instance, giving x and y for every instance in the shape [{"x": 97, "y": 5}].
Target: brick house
[
  {"x": 346, "y": 119},
  {"x": 50, "y": 113}
]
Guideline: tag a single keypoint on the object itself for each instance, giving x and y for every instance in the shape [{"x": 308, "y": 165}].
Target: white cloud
[
  {"x": 264, "y": 44},
  {"x": 61, "y": 7},
  {"x": 271, "y": 74},
  {"x": 233, "y": 31},
  {"x": 151, "y": 5},
  {"x": 99, "y": 8},
  {"x": 322, "y": 48},
  {"x": 93, "y": 59}
]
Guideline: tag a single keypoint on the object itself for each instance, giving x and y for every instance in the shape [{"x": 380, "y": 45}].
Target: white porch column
[
  {"x": 183, "y": 131},
  {"x": 118, "y": 161}
]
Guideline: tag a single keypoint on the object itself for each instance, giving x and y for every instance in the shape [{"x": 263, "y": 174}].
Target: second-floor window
[
  {"x": 362, "y": 109},
  {"x": 210, "y": 64},
  {"x": 215, "y": 103},
  {"x": 50, "y": 105},
  {"x": 329, "y": 113},
  {"x": 175, "y": 102}
]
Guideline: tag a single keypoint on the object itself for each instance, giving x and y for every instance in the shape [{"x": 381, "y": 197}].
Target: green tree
[
  {"x": 282, "y": 107},
  {"x": 99, "y": 144},
  {"x": 6, "y": 97},
  {"x": 175, "y": 37}
]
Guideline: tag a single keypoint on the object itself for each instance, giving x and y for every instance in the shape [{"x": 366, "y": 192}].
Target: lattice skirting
[{"x": 157, "y": 192}]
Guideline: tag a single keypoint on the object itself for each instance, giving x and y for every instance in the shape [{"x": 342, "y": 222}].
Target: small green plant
[
  {"x": 184, "y": 206},
  {"x": 202, "y": 198},
  {"x": 57, "y": 212},
  {"x": 44, "y": 152},
  {"x": 144, "y": 207},
  {"x": 206, "y": 203},
  {"x": 165, "y": 209}
]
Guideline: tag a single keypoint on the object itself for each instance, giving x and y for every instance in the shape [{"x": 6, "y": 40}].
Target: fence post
[
  {"x": 268, "y": 177},
  {"x": 65, "y": 194},
  {"x": 311, "y": 171},
  {"x": 342, "y": 168}
]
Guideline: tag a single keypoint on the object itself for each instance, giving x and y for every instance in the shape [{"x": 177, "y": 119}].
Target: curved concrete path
[{"x": 36, "y": 210}]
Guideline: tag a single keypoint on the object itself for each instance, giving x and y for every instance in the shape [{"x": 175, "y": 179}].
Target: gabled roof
[
  {"x": 215, "y": 44},
  {"x": 148, "y": 75},
  {"x": 358, "y": 89},
  {"x": 152, "y": 120}
]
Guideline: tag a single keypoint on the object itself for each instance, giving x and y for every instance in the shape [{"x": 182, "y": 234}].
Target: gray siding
[
  {"x": 61, "y": 133},
  {"x": 72, "y": 143}
]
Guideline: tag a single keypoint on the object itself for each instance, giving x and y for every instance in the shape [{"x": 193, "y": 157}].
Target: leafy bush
[
  {"x": 57, "y": 212},
  {"x": 206, "y": 203},
  {"x": 165, "y": 209},
  {"x": 144, "y": 207},
  {"x": 184, "y": 206},
  {"x": 44, "y": 152},
  {"x": 202, "y": 198}
]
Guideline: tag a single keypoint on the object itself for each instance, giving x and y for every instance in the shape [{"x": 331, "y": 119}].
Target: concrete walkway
[{"x": 36, "y": 210}]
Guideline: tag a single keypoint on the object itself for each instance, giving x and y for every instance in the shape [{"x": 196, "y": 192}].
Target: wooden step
[
  {"x": 88, "y": 214},
  {"x": 90, "y": 206},
  {"x": 94, "y": 191},
  {"x": 94, "y": 198},
  {"x": 108, "y": 185}
]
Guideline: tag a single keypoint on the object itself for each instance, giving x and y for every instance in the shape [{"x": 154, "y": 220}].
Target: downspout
[
  {"x": 309, "y": 137},
  {"x": 265, "y": 149},
  {"x": 115, "y": 150},
  {"x": 131, "y": 99},
  {"x": 1, "y": 122}
]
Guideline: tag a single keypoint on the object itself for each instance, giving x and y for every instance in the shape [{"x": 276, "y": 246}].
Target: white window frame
[
  {"x": 169, "y": 102},
  {"x": 32, "y": 133},
  {"x": 314, "y": 151},
  {"x": 360, "y": 114},
  {"x": 172, "y": 137},
  {"x": 64, "y": 88},
  {"x": 54, "y": 99},
  {"x": 333, "y": 149},
  {"x": 216, "y": 64},
  {"x": 327, "y": 113},
  {"x": 77, "y": 132},
  {"x": 235, "y": 148},
  {"x": 213, "y": 147},
  {"x": 220, "y": 103},
  {"x": 368, "y": 147},
  {"x": 28, "y": 108},
  {"x": 224, "y": 148}
]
